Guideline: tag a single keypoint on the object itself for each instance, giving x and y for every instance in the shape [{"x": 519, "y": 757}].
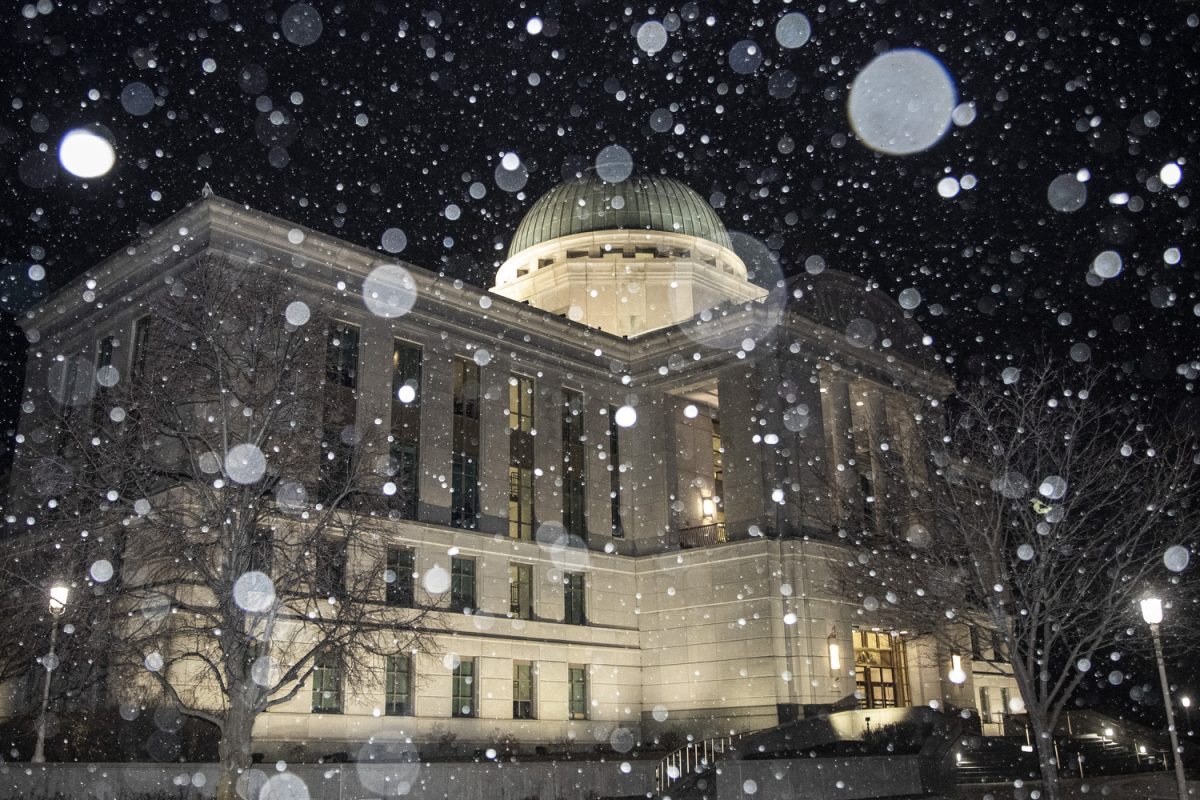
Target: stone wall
[{"x": 462, "y": 781}]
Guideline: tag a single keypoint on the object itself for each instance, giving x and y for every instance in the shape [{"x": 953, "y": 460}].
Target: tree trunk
[
  {"x": 1043, "y": 742},
  {"x": 234, "y": 748}
]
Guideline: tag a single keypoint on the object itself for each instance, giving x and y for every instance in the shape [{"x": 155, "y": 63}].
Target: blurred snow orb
[
  {"x": 1107, "y": 264},
  {"x": 291, "y": 497},
  {"x": 533, "y": 26},
  {"x": 622, "y": 740},
  {"x": 659, "y": 713},
  {"x": 909, "y": 299},
  {"x": 406, "y": 393},
  {"x": 141, "y": 507},
  {"x": 107, "y": 376},
  {"x": 901, "y": 102},
  {"x": 245, "y": 463},
  {"x": 625, "y": 416},
  {"x": 389, "y": 291},
  {"x": 963, "y": 114},
  {"x": 745, "y": 57},
  {"x": 511, "y": 178},
  {"x": 436, "y": 580},
  {"x": 37, "y": 272},
  {"x": 614, "y": 163},
  {"x": 948, "y": 187},
  {"x": 101, "y": 571},
  {"x": 749, "y": 786},
  {"x": 137, "y": 99},
  {"x": 814, "y": 265},
  {"x": 284, "y": 786},
  {"x": 1176, "y": 558},
  {"x": 1053, "y": 488},
  {"x": 510, "y": 161},
  {"x": 793, "y": 30},
  {"x": 297, "y": 313},
  {"x": 918, "y": 536},
  {"x": 690, "y": 411},
  {"x": 651, "y": 37},
  {"x": 482, "y": 357},
  {"x": 1025, "y": 552},
  {"x": 301, "y": 24},
  {"x": 861, "y": 332},
  {"x": 254, "y": 592},
  {"x": 86, "y": 154},
  {"x": 1010, "y": 375},
  {"x": 1170, "y": 175},
  {"x": 393, "y": 240},
  {"x": 1066, "y": 193},
  {"x": 154, "y": 661}
]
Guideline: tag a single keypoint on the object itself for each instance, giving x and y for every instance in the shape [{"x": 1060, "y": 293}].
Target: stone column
[
  {"x": 493, "y": 446},
  {"x": 809, "y": 509},
  {"x": 548, "y": 450},
  {"x": 648, "y": 448},
  {"x": 437, "y": 434},
  {"x": 881, "y": 461},
  {"x": 599, "y": 504},
  {"x": 840, "y": 439},
  {"x": 373, "y": 409},
  {"x": 746, "y": 483}
]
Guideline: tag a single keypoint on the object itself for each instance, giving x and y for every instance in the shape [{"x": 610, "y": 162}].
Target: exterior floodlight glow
[
  {"x": 58, "y": 598},
  {"x": 835, "y": 657},
  {"x": 957, "y": 675},
  {"x": 1186, "y": 701},
  {"x": 708, "y": 507},
  {"x": 1152, "y": 610}
]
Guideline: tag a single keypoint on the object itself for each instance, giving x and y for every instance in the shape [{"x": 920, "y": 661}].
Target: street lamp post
[
  {"x": 1186, "y": 702},
  {"x": 1152, "y": 612},
  {"x": 58, "y": 604}
]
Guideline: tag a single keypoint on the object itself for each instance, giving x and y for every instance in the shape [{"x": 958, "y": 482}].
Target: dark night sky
[{"x": 445, "y": 89}]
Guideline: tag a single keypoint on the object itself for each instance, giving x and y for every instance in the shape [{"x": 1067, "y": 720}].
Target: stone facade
[{"x": 708, "y": 534}]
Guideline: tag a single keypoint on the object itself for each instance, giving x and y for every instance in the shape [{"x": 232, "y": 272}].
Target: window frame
[{"x": 466, "y": 675}]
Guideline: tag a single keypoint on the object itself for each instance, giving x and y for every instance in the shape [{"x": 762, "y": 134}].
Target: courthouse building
[{"x": 632, "y": 455}]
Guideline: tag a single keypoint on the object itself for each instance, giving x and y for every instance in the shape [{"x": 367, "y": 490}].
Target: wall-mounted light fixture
[
  {"x": 957, "y": 675},
  {"x": 835, "y": 657},
  {"x": 708, "y": 507}
]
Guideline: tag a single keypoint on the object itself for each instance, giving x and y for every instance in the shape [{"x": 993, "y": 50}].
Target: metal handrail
[
  {"x": 702, "y": 535},
  {"x": 693, "y": 756}
]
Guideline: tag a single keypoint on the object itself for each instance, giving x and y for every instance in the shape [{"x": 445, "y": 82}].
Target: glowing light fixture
[
  {"x": 58, "y": 598},
  {"x": 708, "y": 507},
  {"x": 835, "y": 657},
  {"x": 957, "y": 675},
  {"x": 1152, "y": 610}
]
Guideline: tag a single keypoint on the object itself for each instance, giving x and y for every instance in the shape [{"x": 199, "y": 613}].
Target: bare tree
[
  {"x": 222, "y": 501},
  {"x": 1041, "y": 514}
]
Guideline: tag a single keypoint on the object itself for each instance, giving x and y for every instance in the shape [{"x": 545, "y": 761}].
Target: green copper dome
[{"x": 641, "y": 202}]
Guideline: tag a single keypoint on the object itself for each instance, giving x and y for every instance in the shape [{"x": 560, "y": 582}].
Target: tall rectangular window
[
  {"x": 520, "y": 591},
  {"x": 520, "y": 503},
  {"x": 1005, "y": 708},
  {"x": 574, "y": 590},
  {"x": 462, "y": 583},
  {"x": 397, "y": 699},
  {"x": 614, "y": 473},
  {"x": 399, "y": 577},
  {"x": 462, "y": 691},
  {"x": 104, "y": 362},
  {"x": 520, "y": 457},
  {"x": 261, "y": 550},
  {"x": 406, "y": 428},
  {"x": 520, "y": 403},
  {"x": 523, "y": 690},
  {"x": 718, "y": 459},
  {"x": 464, "y": 491},
  {"x": 327, "y": 684},
  {"x": 141, "y": 341},
  {"x": 574, "y": 474},
  {"x": 464, "y": 486},
  {"x": 341, "y": 382},
  {"x": 985, "y": 705},
  {"x": 577, "y": 689},
  {"x": 329, "y": 562}
]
